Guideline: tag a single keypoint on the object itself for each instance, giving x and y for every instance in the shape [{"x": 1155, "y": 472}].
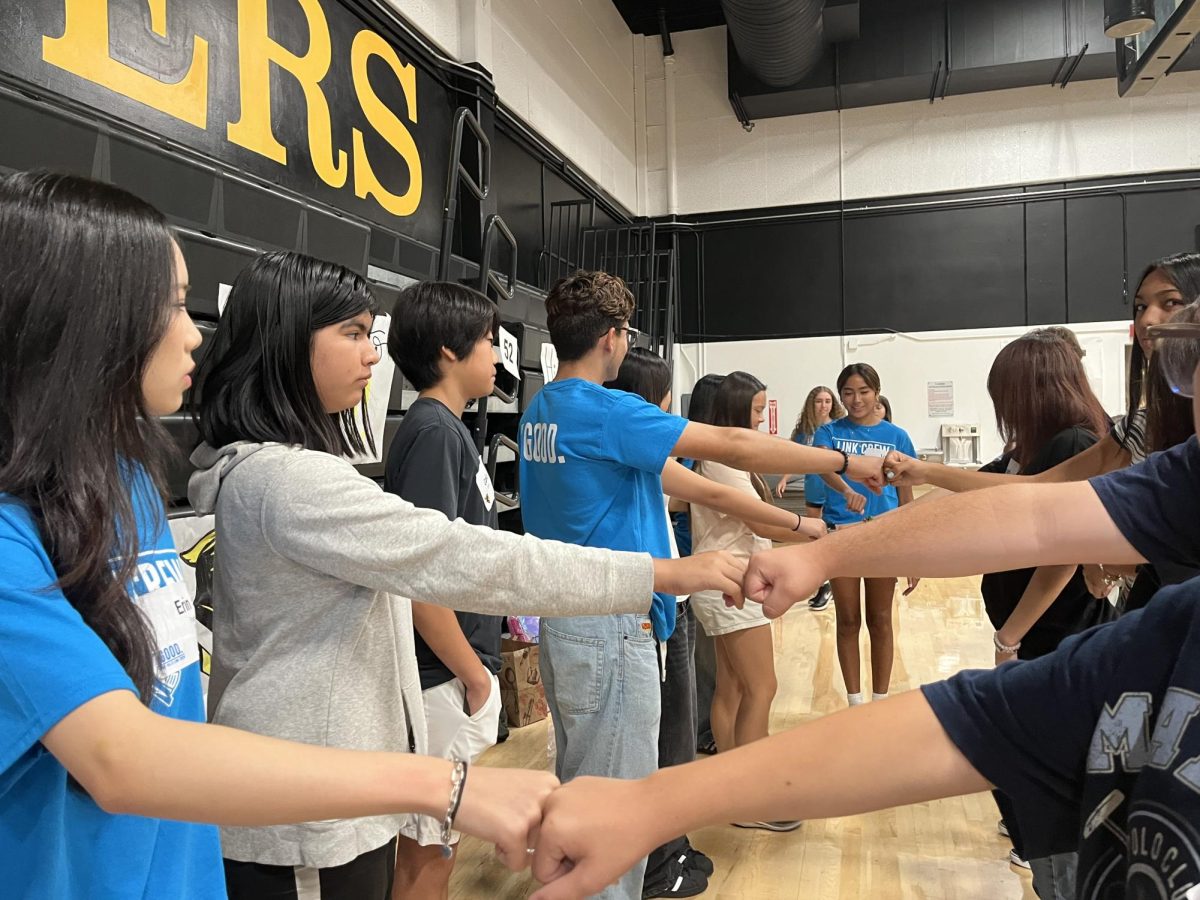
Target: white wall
[
  {"x": 978, "y": 140},
  {"x": 565, "y": 67},
  {"x": 436, "y": 19},
  {"x": 906, "y": 363}
]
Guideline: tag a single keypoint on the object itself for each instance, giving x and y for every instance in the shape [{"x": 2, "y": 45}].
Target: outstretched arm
[
  {"x": 756, "y": 782},
  {"x": 764, "y": 519},
  {"x": 1104, "y": 456},
  {"x": 753, "y": 451},
  {"x": 1008, "y": 527},
  {"x": 133, "y": 761},
  {"x": 855, "y": 502}
]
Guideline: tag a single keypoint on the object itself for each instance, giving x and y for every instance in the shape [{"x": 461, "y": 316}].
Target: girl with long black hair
[
  {"x": 104, "y": 758},
  {"x": 312, "y": 639}
]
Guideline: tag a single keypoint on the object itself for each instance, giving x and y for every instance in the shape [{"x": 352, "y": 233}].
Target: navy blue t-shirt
[
  {"x": 1098, "y": 745},
  {"x": 1156, "y": 506}
]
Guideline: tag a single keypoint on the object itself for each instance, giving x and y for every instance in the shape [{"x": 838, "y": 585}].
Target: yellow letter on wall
[
  {"x": 368, "y": 44},
  {"x": 83, "y": 50},
  {"x": 256, "y": 52}
]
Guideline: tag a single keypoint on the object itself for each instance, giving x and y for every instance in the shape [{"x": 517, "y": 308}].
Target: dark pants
[
  {"x": 368, "y": 877},
  {"x": 706, "y": 683},
  {"x": 677, "y": 731}
]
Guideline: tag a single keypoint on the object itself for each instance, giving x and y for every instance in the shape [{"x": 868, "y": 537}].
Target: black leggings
[{"x": 367, "y": 877}]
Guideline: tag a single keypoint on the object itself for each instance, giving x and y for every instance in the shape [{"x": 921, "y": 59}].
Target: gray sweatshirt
[{"x": 311, "y": 629}]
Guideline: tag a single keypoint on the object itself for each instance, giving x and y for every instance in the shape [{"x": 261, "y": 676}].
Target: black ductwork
[
  {"x": 908, "y": 50},
  {"x": 779, "y": 41}
]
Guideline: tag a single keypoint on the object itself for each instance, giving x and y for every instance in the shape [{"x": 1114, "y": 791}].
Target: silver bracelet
[
  {"x": 1004, "y": 648},
  {"x": 458, "y": 780}
]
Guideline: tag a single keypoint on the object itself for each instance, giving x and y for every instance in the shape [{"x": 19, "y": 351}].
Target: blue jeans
[
  {"x": 601, "y": 679},
  {"x": 1054, "y": 876}
]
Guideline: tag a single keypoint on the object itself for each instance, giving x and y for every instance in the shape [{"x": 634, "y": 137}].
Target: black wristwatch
[{"x": 845, "y": 461}]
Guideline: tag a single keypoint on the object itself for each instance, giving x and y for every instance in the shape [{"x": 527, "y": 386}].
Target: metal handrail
[
  {"x": 511, "y": 501},
  {"x": 457, "y": 173},
  {"x": 494, "y": 229}
]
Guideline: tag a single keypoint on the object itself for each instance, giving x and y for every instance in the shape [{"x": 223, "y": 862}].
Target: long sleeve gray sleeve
[{"x": 319, "y": 512}]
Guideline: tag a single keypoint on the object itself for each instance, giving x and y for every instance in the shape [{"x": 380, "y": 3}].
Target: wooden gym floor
[{"x": 946, "y": 850}]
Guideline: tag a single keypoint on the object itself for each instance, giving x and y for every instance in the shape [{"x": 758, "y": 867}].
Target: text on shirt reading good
[{"x": 539, "y": 443}]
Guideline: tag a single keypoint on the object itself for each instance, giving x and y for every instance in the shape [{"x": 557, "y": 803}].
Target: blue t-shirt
[
  {"x": 56, "y": 843},
  {"x": 814, "y": 485},
  {"x": 591, "y": 473},
  {"x": 861, "y": 440},
  {"x": 681, "y": 522},
  {"x": 1098, "y": 745}
]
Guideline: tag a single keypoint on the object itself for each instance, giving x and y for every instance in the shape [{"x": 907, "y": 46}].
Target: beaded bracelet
[
  {"x": 1002, "y": 647},
  {"x": 458, "y": 781}
]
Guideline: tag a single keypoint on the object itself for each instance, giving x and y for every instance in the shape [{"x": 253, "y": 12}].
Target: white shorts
[
  {"x": 716, "y": 618},
  {"x": 453, "y": 735}
]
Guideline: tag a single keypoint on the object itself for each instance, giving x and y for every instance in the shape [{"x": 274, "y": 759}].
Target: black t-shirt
[
  {"x": 432, "y": 463},
  {"x": 1098, "y": 744},
  {"x": 1074, "y": 609}
]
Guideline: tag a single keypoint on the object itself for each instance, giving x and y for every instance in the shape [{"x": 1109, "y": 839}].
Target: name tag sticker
[{"x": 484, "y": 484}]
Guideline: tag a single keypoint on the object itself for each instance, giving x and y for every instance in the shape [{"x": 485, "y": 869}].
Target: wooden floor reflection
[{"x": 946, "y": 850}]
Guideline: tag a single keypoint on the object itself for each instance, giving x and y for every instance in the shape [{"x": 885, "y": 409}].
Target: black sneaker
[
  {"x": 687, "y": 881},
  {"x": 821, "y": 600},
  {"x": 695, "y": 859}
]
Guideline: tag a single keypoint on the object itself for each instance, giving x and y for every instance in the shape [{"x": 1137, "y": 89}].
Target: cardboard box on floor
[{"x": 521, "y": 690}]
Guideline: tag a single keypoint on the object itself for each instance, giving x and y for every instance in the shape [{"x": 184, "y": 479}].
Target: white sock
[
  {"x": 875, "y": 696},
  {"x": 855, "y": 699}
]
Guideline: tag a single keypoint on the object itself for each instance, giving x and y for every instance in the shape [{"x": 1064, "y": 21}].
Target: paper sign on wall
[
  {"x": 773, "y": 416},
  {"x": 549, "y": 362},
  {"x": 510, "y": 353},
  {"x": 222, "y": 296},
  {"x": 379, "y": 389},
  {"x": 941, "y": 399}
]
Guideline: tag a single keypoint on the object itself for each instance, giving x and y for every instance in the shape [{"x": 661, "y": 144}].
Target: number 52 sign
[{"x": 510, "y": 353}]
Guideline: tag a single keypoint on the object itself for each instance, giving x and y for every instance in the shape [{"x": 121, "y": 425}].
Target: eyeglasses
[
  {"x": 631, "y": 334},
  {"x": 1176, "y": 353}
]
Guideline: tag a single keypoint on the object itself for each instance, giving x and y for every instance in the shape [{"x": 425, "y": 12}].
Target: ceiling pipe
[{"x": 778, "y": 40}]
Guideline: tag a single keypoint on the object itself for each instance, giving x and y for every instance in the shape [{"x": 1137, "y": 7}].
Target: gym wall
[
  {"x": 966, "y": 222},
  {"x": 565, "y": 68}
]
